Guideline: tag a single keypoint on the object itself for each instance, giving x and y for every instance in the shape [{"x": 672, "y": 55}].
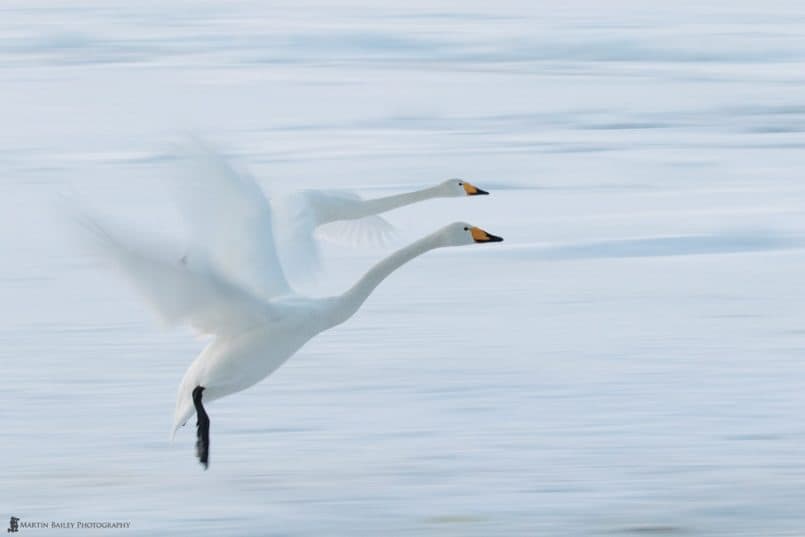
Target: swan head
[
  {"x": 459, "y": 187},
  {"x": 461, "y": 233}
]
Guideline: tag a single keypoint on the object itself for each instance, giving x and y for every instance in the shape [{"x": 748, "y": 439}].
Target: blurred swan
[
  {"x": 237, "y": 291},
  {"x": 299, "y": 218},
  {"x": 343, "y": 217}
]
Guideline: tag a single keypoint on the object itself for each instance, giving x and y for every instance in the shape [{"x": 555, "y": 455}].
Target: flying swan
[
  {"x": 238, "y": 293},
  {"x": 341, "y": 216}
]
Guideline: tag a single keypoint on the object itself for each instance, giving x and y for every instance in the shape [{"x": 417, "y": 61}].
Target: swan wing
[
  {"x": 373, "y": 231},
  {"x": 179, "y": 294},
  {"x": 303, "y": 217},
  {"x": 295, "y": 220},
  {"x": 338, "y": 214},
  {"x": 230, "y": 223}
]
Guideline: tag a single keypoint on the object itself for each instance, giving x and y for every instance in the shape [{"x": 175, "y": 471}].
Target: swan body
[{"x": 233, "y": 363}]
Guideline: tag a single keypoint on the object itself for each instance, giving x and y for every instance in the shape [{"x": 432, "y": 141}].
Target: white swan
[
  {"x": 298, "y": 216},
  {"x": 236, "y": 290},
  {"x": 253, "y": 337}
]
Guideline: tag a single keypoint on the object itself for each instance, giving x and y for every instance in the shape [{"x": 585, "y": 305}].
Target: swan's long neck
[
  {"x": 387, "y": 203},
  {"x": 348, "y": 303}
]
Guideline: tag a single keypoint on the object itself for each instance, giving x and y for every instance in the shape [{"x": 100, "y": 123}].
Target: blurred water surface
[{"x": 629, "y": 362}]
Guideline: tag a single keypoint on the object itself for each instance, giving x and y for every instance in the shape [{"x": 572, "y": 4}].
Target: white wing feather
[
  {"x": 294, "y": 224},
  {"x": 230, "y": 222},
  {"x": 373, "y": 231},
  {"x": 204, "y": 300},
  {"x": 256, "y": 243}
]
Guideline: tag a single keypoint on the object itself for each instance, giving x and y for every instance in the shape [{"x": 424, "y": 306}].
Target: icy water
[{"x": 631, "y": 361}]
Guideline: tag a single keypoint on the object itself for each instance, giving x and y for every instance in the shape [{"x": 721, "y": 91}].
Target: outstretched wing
[
  {"x": 230, "y": 223},
  {"x": 203, "y": 299},
  {"x": 300, "y": 218}
]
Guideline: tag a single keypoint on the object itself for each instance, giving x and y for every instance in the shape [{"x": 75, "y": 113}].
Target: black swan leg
[{"x": 202, "y": 428}]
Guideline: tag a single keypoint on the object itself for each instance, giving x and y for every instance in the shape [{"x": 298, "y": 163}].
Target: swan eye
[
  {"x": 466, "y": 229},
  {"x": 460, "y": 183}
]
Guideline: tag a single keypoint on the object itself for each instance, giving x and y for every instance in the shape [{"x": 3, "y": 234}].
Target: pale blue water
[{"x": 629, "y": 362}]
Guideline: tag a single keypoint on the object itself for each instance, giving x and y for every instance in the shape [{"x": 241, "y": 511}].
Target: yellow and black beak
[
  {"x": 473, "y": 190},
  {"x": 479, "y": 235}
]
